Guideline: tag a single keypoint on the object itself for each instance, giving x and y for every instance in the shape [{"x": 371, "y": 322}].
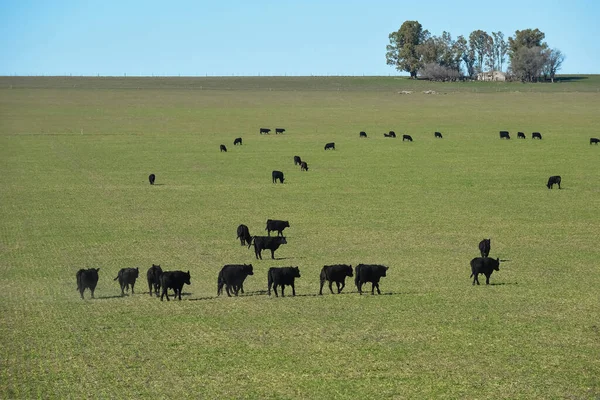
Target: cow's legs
[
  {"x": 293, "y": 290},
  {"x": 275, "y": 290},
  {"x": 559, "y": 185},
  {"x": 92, "y": 290},
  {"x": 282, "y": 290},
  {"x": 341, "y": 286},
  {"x": 377, "y": 287},
  {"x": 331, "y": 287},
  {"x": 272, "y": 254},
  {"x": 132, "y": 292},
  {"x": 487, "y": 279},
  {"x": 359, "y": 287}
]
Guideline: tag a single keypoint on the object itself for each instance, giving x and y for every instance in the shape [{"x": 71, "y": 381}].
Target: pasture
[{"x": 75, "y": 155}]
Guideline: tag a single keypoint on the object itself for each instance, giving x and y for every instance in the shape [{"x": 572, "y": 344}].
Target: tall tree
[
  {"x": 500, "y": 48},
  {"x": 467, "y": 54},
  {"x": 526, "y": 38},
  {"x": 402, "y": 51},
  {"x": 527, "y": 63},
  {"x": 480, "y": 42},
  {"x": 554, "y": 60}
]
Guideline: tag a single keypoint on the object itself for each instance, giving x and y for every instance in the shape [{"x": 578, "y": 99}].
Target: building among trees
[{"x": 495, "y": 76}]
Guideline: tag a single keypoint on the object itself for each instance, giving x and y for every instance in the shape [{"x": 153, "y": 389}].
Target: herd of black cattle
[{"x": 232, "y": 276}]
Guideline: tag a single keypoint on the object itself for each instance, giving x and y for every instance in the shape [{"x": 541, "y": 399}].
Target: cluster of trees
[{"x": 416, "y": 51}]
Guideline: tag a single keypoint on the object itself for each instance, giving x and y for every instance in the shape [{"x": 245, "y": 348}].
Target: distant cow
[
  {"x": 594, "y": 140},
  {"x": 153, "y": 276},
  {"x": 152, "y": 178},
  {"x": 279, "y": 130},
  {"x": 362, "y": 134},
  {"x": 407, "y": 137},
  {"x": 267, "y": 242},
  {"x": 173, "y": 280},
  {"x": 552, "y": 180},
  {"x": 330, "y": 146},
  {"x": 391, "y": 134},
  {"x": 126, "y": 277},
  {"x": 244, "y": 235},
  {"x": 369, "y": 273},
  {"x": 437, "y": 135},
  {"x": 484, "y": 265},
  {"x": 303, "y": 166},
  {"x": 281, "y": 276},
  {"x": 484, "y": 247},
  {"x": 264, "y": 130},
  {"x": 276, "y": 225},
  {"x": 536, "y": 135},
  {"x": 335, "y": 273},
  {"x": 277, "y": 175},
  {"x": 297, "y": 160},
  {"x": 504, "y": 135},
  {"x": 237, "y": 141},
  {"x": 520, "y": 135},
  {"x": 87, "y": 279},
  {"x": 223, "y": 148},
  {"x": 232, "y": 276}
]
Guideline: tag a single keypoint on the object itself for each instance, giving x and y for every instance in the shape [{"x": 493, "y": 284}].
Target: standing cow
[
  {"x": 152, "y": 178},
  {"x": 264, "y": 130},
  {"x": 484, "y": 265},
  {"x": 520, "y": 135},
  {"x": 335, "y": 273},
  {"x": 87, "y": 279},
  {"x": 126, "y": 277},
  {"x": 369, "y": 273},
  {"x": 407, "y": 137},
  {"x": 153, "y": 276},
  {"x": 594, "y": 140},
  {"x": 330, "y": 146},
  {"x": 297, "y": 160},
  {"x": 485, "y": 247},
  {"x": 232, "y": 276},
  {"x": 237, "y": 141},
  {"x": 223, "y": 148},
  {"x": 303, "y": 166},
  {"x": 276, "y": 225},
  {"x": 553, "y": 180},
  {"x": 267, "y": 242},
  {"x": 437, "y": 135},
  {"x": 362, "y": 134},
  {"x": 281, "y": 276},
  {"x": 536, "y": 135},
  {"x": 173, "y": 280},
  {"x": 244, "y": 235},
  {"x": 279, "y": 130},
  {"x": 504, "y": 135},
  {"x": 277, "y": 175}
]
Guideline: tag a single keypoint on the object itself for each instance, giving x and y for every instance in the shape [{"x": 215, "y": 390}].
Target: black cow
[
  {"x": 520, "y": 135},
  {"x": 594, "y": 140},
  {"x": 391, "y": 134},
  {"x": 87, "y": 279},
  {"x": 407, "y": 137},
  {"x": 504, "y": 135},
  {"x": 485, "y": 247},
  {"x": 484, "y": 265},
  {"x": 330, "y": 146},
  {"x": 264, "y": 130},
  {"x": 223, "y": 148},
  {"x": 297, "y": 160},
  {"x": 362, "y": 134},
  {"x": 335, "y": 273},
  {"x": 153, "y": 276},
  {"x": 152, "y": 178},
  {"x": 303, "y": 166},
  {"x": 267, "y": 242},
  {"x": 244, "y": 235},
  {"x": 279, "y": 130},
  {"x": 536, "y": 135},
  {"x": 277, "y": 175},
  {"x": 552, "y": 180},
  {"x": 232, "y": 276},
  {"x": 173, "y": 280},
  {"x": 369, "y": 273},
  {"x": 237, "y": 141},
  {"x": 276, "y": 225},
  {"x": 437, "y": 135},
  {"x": 126, "y": 277},
  {"x": 281, "y": 276}
]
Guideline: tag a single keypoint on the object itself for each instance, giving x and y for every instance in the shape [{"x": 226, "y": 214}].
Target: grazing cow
[
  {"x": 362, "y": 134},
  {"x": 279, "y": 130},
  {"x": 232, "y": 276},
  {"x": 485, "y": 246},
  {"x": 594, "y": 140},
  {"x": 173, "y": 280},
  {"x": 267, "y": 242},
  {"x": 244, "y": 235},
  {"x": 87, "y": 279},
  {"x": 303, "y": 166},
  {"x": 277, "y": 175},
  {"x": 297, "y": 160},
  {"x": 153, "y": 276},
  {"x": 223, "y": 148},
  {"x": 407, "y": 137},
  {"x": 484, "y": 265},
  {"x": 330, "y": 146},
  {"x": 437, "y": 135},
  {"x": 264, "y": 130},
  {"x": 369, "y": 273},
  {"x": 152, "y": 178},
  {"x": 552, "y": 180},
  {"x": 237, "y": 141},
  {"x": 276, "y": 225},
  {"x": 504, "y": 135},
  {"x": 126, "y": 277},
  {"x": 281, "y": 276},
  {"x": 536, "y": 135},
  {"x": 391, "y": 134},
  {"x": 335, "y": 273},
  {"x": 520, "y": 135}
]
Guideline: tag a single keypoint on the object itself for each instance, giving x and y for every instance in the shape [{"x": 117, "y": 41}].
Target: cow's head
[
  {"x": 349, "y": 270},
  {"x": 187, "y": 278},
  {"x": 248, "y": 269},
  {"x": 496, "y": 264},
  {"x": 296, "y": 272},
  {"x": 286, "y": 224},
  {"x": 281, "y": 240}
]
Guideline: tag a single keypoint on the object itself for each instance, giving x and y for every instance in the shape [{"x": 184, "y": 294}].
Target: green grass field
[{"x": 75, "y": 155}]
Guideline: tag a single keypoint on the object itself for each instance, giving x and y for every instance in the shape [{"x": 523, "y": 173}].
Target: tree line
[{"x": 414, "y": 50}]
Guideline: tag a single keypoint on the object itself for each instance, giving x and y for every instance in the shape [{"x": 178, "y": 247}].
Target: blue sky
[{"x": 264, "y": 37}]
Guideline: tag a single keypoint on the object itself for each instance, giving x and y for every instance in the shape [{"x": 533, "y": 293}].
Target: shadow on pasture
[
  {"x": 159, "y": 184},
  {"x": 570, "y": 78},
  {"x": 118, "y": 296},
  {"x": 504, "y": 283}
]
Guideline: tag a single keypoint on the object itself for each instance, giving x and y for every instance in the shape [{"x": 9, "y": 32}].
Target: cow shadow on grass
[
  {"x": 570, "y": 78},
  {"x": 118, "y": 296},
  {"x": 504, "y": 283}
]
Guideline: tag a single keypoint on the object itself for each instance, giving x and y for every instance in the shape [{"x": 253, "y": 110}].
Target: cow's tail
[
  {"x": 250, "y": 242},
  {"x": 116, "y": 278},
  {"x": 269, "y": 281}
]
